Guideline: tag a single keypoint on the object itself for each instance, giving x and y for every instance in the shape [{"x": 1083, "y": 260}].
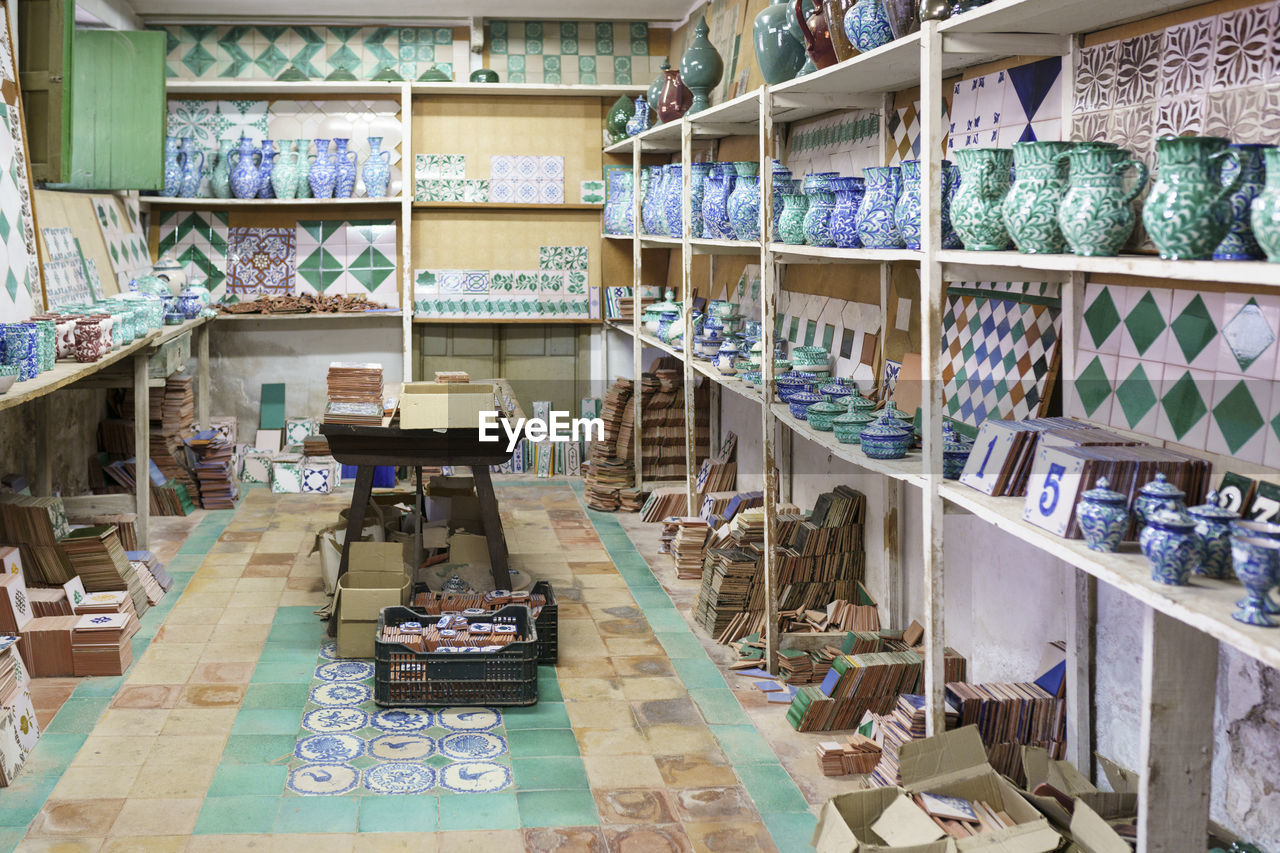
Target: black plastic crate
[
  {"x": 547, "y": 621},
  {"x": 405, "y": 677}
]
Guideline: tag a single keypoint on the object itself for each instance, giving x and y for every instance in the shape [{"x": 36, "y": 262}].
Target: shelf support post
[
  {"x": 1082, "y": 615},
  {"x": 142, "y": 446},
  {"x": 933, "y": 290},
  {"x": 637, "y": 266},
  {"x": 1179, "y": 678},
  {"x": 202, "y": 373},
  {"x": 406, "y": 228},
  {"x": 768, "y": 317},
  {"x": 686, "y": 303},
  {"x": 44, "y": 454}
]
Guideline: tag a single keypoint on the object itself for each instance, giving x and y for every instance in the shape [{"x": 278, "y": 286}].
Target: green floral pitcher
[
  {"x": 1096, "y": 214},
  {"x": 1265, "y": 216},
  {"x": 976, "y": 209},
  {"x": 1031, "y": 207},
  {"x": 1189, "y": 210}
]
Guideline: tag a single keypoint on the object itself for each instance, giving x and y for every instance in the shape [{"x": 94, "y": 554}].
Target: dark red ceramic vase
[{"x": 675, "y": 98}]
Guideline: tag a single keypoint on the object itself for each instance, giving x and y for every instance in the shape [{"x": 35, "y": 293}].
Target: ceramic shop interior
[{"x": 936, "y": 351}]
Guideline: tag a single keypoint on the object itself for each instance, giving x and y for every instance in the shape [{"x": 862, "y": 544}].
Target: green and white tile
[
  {"x": 1137, "y": 387},
  {"x": 357, "y": 257},
  {"x": 1185, "y": 397},
  {"x": 591, "y": 192},
  {"x": 1250, "y": 336},
  {"x": 1146, "y": 323},
  {"x": 1238, "y": 426},
  {"x": 199, "y": 241},
  {"x": 1091, "y": 394},
  {"x": 1102, "y": 327},
  {"x": 1193, "y": 331},
  {"x": 1271, "y": 451}
]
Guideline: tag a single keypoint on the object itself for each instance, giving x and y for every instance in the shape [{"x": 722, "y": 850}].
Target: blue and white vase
[
  {"x": 673, "y": 201},
  {"x": 781, "y": 182},
  {"x": 346, "y": 166},
  {"x": 618, "y": 211},
  {"x": 698, "y": 173},
  {"x": 245, "y": 173},
  {"x": 844, "y": 213},
  {"x": 1103, "y": 516},
  {"x": 1256, "y": 561},
  {"x": 744, "y": 203},
  {"x": 377, "y": 169},
  {"x": 172, "y": 167},
  {"x": 1258, "y": 530},
  {"x": 877, "y": 228},
  {"x": 1240, "y": 243},
  {"x": 950, "y": 185},
  {"x": 189, "y": 304},
  {"x": 955, "y": 452},
  {"x": 265, "y": 190},
  {"x": 1213, "y": 526},
  {"x": 192, "y": 169},
  {"x": 324, "y": 173},
  {"x": 907, "y": 214},
  {"x": 715, "y": 208},
  {"x": 639, "y": 121},
  {"x": 1155, "y": 495},
  {"x": 1170, "y": 544},
  {"x": 817, "y": 216}
]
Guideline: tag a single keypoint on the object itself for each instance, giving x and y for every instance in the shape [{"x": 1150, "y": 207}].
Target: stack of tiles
[
  {"x": 443, "y": 177},
  {"x": 100, "y": 643},
  {"x": 19, "y": 729},
  {"x": 35, "y": 525},
  {"x": 147, "y": 565},
  {"x": 215, "y": 471},
  {"x": 355, "y": 394},
  {"x": 526, "y": 179},
  {"x": 102, "y": 563}
]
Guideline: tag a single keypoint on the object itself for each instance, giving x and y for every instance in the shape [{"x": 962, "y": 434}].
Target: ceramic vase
[
  {"x": 172, "y": 167},
  {"x": 779, "y": 49},
  {"x": 91, "y": 342},
  {"x": 220, "y": 176},
  {"x": 781, "y": 181},
  {"x": 950, "y": 185},
  {"x": 1256, "y": 562},
  {"x": 836, "y": 13},
  {"x": 1103, "y": 516},
  {"x": 1031, "y": 208},
  {"x": 650, "y": 200},
  {"x": 284, "y": 175},
  {"x": 808, "y": 67},
  {"x": 698, "y": 173},
  {"x": 955, "y": 452},
  {"x": 324, "y": 171},
  {"x": 305, "y": 161},
  {"x": 615, "y": 121},
  {"x": 701, "y": 67},
  {"x": 816, "y": 34},
  {"x": 1264, "y": 214},
  {"x": 377, "y": 169},
  {"x": 673, "y": 201},
  {"x": 639, "y": 121},
  {"x": 876, "y": 226},
  {"x": 907, "y": 213},
  {"x": 715, "y": 209},
  {"x": 245, "y": 172},
  {"x": 817, "y": 215},
  {"x": 743, "y": 205},
  {"x": 844, "y": 214},
  {"x": 976, "y": 210},
  {"x": 1096, "y": 213},
  {"x": 903, "y": 15},
  {"x": 1154, "y": 495},
  {"x": 1170, "y": 544},
  {"x": 867, "y": 25},
  {"x": 1189, "y": 210},
  {"x": 1240, "y": 244},
  {"x": 618, "y": 210},
  {"x": 791, "y": 224},
  {"x": 192, "y": 172},
  {"x": 1213, "y": 526},
  {"x": 674, "y": 99},
  {"x": 189, "y": 304},
  {"x": 265, "y": 166},
  {"x": 346, "y": 165},
  {"x": 654, "y": 92}
]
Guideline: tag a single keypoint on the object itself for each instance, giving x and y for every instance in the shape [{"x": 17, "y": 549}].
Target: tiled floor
[{"x": 637, "y": 744}]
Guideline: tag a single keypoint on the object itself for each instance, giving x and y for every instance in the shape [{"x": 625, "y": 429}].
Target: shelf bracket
[
  {"x": 977, "y": 272},
  {"x": 1007, "y": 44},
  {"x": 831, "y": 101}
]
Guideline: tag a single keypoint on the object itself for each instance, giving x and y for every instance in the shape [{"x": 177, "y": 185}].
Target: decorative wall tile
[
  {"x": 1091, "y": 395},
  {"x": 1193, "y": 329},
  {"x": 21, "y": 286},
  {"x": 65, "y": 279},
  {"x": 1137, "y": 69},
  {"x": 1095, "y": 77},
  {"x": 199, "y": 241},
  {"x": 1146, "y": 323},
  {"x": 1238, "y": 426},
  {"x": 1185, "y": 396},
  {"x": 1137, "y": 387},
  {"x": 260, "y": 262},
  {"x": 1186, "y": 58},
  {"x": 1243, "y": 54},
  {"x": 1249, "y": 334},
  {"x": 357, "y": 257}
]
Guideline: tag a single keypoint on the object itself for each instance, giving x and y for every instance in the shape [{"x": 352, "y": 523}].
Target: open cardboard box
[
  {"x": 445, "y": 405},
  {"x": 1088, "y": 825},
  {"x": 953, "y": 763},
  {"x": 375, "y": 579}
]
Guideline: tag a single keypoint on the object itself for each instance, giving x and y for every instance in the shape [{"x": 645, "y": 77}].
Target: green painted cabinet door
[
  {"x": 44, "y": 35},
  {"x": 117, "y": 110}
]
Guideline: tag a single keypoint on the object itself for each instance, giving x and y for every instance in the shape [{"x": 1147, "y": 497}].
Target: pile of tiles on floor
[
  {"x": 304, "y": 466},
  {"x": 19, "y": 729}
]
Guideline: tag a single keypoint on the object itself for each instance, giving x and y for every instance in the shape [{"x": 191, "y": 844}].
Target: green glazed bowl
[
  {"x": 484, "y": 75},
  {"x": 822, "y": 415}
]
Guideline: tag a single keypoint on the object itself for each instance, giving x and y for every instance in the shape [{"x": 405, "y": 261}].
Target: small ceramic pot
[
  {"x": 1030, "y": 210},
  {"x": 1258, "y": 530},
  {"x": 1213, "y": 526},
  {"x": 1170, "y": 544},
  {"x": 822, "y": 200},
  {"x": 1240, "y": 243},
  {"x": 887, "y": 438},
  {"x": 1154, "y": 495},
  {"x": 822, "y": 414},
  {"x": 1257, "y": 564},
  {"x": 8, "y": 376},
  {"x": 835, "y": 392},
  {"x": 849, "y": 426},
  {"x": 1096, "y": 213},
  {"x": 800, "y": 401},
  {"x": 726, "y": 358},
  {"x": 1103, "y": 516},
  {"x": 844, "y": 213},
  {"x": 791, "y": 224},
  {"x": 955, "y": 453}
]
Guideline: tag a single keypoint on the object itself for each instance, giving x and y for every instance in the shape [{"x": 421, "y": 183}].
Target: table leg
[
  {"x": 492, "y": 526},
  {"x": 355, "y": 524}
]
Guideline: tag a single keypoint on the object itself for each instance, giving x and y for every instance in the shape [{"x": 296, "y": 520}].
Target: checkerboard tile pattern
[
  {"x": 571, "y": 51},
  {"x": 998, "y": 357},
  {"x": 199, "y": 240},
  {"x": 1198, "y": 369}
]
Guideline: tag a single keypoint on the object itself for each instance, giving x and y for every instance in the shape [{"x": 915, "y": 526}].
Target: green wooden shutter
[
  {"x": 117, "y": 110},
  {"x": 44, "y": 37}
]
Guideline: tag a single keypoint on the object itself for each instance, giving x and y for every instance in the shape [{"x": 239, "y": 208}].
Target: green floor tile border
[
  {"x": 249, "y": 795},
  {"x": 784, "y": 809},
  {"x": 67, "y": 731}
]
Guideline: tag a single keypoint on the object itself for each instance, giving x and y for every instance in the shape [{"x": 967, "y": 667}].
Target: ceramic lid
[
  {"x": 1160, "y": 487},
  {"x": 1169, "y": 517},
  {"x": 804, "y": 398},
  {"x": 835, "y": 389},
  {"x": 1210, "y": 509},
  {"x": 1104, "y": 494},
  {"x": 855, "y": 417},
  {"x": 887, "y": 426},
  {"x": 953, "y": 443},
  {"x": 826, "y": 408},
  {"x": 728, "y": 348}
]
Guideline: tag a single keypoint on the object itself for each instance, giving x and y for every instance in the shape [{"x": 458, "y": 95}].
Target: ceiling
[{"x": 394, "y": 12}]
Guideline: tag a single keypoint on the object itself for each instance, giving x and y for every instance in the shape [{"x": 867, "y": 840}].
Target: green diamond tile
[
  {"x": 1248, "y": 335},
  {"x": 1275, "y": 425},
  {"x": 1093, "y": 386},
  {"x": 1193, "y": 329},
  {"x": 1184, "y": 405},
  {"x": 1101, "y": 317},
  {"x": 1238, "y": 417},
  {"x": 1135, "y": 396},
  {"x": 198, "y": 60},
  {"x": 1145, "y": 323}
]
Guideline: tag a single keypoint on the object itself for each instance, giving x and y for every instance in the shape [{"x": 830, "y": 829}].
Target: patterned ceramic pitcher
[{"x": 1096, "y": 214}]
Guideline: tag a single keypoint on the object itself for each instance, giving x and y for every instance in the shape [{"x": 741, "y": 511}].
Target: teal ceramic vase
[
  {"x": 1189, "y": 211},
  {"x": 1030, "y": 209},
  {"x": 977, "y": 209},
  {"x": 1265, "y": 210},
  {"x": 284, "y": 174},
  {"x": 1240, "y": 244},
  {"x": 1096, "y": 213},
  {"x": 822, "y": 201},
  {"x": 615, "y": 121},
  {"x": 220, "y": 177},
  {"x": 701, "y": 67},
  {"x": 791, "y": 224}
]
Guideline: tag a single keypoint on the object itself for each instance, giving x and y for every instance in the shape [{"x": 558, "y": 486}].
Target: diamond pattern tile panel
[
  {"x": 21, "y": 291},
  {"x": 335, "y": 257},
  {"x": 199, "y": 241}
]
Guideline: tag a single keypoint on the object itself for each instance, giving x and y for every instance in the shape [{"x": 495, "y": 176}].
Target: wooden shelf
[
  {"x": 257, "y": 203},
  {"x": 501, "y": 206},
  {"x": 856, "y": 83},
  {"x": 652, "y": 242},
  {"x": 299, "y": 89},
  {"x": 959, "y": 265},
  {"x": 737, "y": 117},
  {"x": 724, "y": 247},
  {"x": 1057, "y": 17},
  {"x": 784, "y": 253},
  {"x": 623, "y": 147},
  {"x": 627, "y": 237},
  {"x": 345, "y": 316},
  {"x": 1205, "y": 604},
  {"x": 661, "y": 138},
  {"x": 168, "y": 333},
  {"x": 526, "y": 90},
  {"x": 65, "y": 373},
  {"x": 500, "y": 321}
]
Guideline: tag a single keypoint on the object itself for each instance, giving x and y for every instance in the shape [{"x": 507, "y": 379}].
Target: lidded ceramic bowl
[
  {"x": 1103, "y": 516},
  {"x": 1154, "y": 495},
  {"x": 955, "y": 452},
  {"x": 1170, "y": 544},
  {"x": 887, "y": 438},
  {"x": 1213, "y": 526},
  {"x": 800, "y": 401},
  {"x": 849, "y": 426},
  {"x": 822, "y": 414}
]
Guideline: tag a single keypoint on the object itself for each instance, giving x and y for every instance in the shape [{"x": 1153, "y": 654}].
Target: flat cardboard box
[
  {"x": 844, "y": 824},
  {"x": 445, "y": 405}
]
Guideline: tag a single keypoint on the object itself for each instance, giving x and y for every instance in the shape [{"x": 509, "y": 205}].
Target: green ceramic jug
[
  {"x": 1096, "y": 214},
  {"x": 701, "y": 67},
  {"x": 615, "y": 121},
  {"x": 1031, "y": 208},
  {"x": 1189, "y": 211},
  {"x": 1265, "y": 214},
  {"x": 976, "y": 209},
  {"x": 220, "y": 177}
]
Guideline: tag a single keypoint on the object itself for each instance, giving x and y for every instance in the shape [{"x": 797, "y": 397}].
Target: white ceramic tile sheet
[
  {"x": 21, "y": 289},
  {"x": 348, "y": 258},
  {"x": 65, "y": 278},
  {"x": 198, "y": 240}
]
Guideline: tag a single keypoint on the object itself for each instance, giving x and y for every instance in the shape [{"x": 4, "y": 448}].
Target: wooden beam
[
  {"x": 768, "y": 315},
  {"x": 1179, "y": 680},
  {"x": 142, "y": 446},
  {"x": 1082, "y": 617},
  {"x": 686, "y": 303},
  {"x": 637, "y": 358},
  {"x": 203, "y": 393}
]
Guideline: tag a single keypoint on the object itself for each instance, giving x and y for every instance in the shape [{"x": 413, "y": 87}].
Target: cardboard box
[
  {"x": 468, "y": 548},
  {"x": 376, "y": 579},
  {"x": 953, "y": 763},
  {"x": 445, "y": 405},
  {"x": 1087, "y": 826}
]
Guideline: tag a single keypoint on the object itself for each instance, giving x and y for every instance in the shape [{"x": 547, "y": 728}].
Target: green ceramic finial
[{"x": 701, "y": 67}]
